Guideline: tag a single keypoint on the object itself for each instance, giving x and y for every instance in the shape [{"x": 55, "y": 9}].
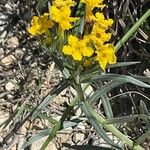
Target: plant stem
[
  {"x": 79, "y": 91},
  {"x": 132, "y": 30}
]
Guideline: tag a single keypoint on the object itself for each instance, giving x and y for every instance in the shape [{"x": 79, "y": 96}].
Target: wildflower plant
[{"x": 77, "y": 35}]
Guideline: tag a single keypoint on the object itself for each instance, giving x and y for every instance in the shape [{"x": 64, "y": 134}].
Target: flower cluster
[
  {"x": 78, "y": 48},
  {"x": 60, "y": 12},
  {"x": 93, "y": 44},
  {"x": 90, "y": 5},
  {"x": 40, "y": 24}
]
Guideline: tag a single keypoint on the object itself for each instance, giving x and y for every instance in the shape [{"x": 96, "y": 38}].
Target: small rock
[
  {"x": 1, "y": 139},
  {"x": 3, "y": 34},
  {"x": 10, "y": 96},
  {"x": 20, "y": 143},
  {"x": 73, "y": 91},
  {"x": 1, "y": 52},
  {"x": 28, "y": 58},
  {"x": 11, "y": 85},
  {"x": 81, "y": 126},
  {"x": 37, "y": 145},
  {"x": 8, "y": 60},
  {"x": 19, "y": 53},
  {"x": 57, "y": 118},
  {"x": 89, "y": 90},
  {"x": 78, "y": 137},
  {"x": 78, "y": 112},
  {"x": 3, "y": 116},
  {"x": 63, "y": 138},
  {"x": 147, "y": 72},
  {"x": 14, "y": 147},
  {"x": 59, "y": 100},
  {"x": 7, "y": 6},
  {"x": 34, "y": 64},
  {"x": 13, "y": 42}
]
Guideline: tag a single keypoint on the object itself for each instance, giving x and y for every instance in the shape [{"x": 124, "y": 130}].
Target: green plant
[{"x": 81, "y": 67}]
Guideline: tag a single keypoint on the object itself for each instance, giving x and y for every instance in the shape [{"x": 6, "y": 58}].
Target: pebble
[
  {"x": 19, "y": 53},
  {"x": 9, "y": 86},
  {"x": 78, "y": 112},
  {"x": 81, "y": 126},
  {"x": 8, "y": 60},
  {"x": 147, "y": 72},
  {"x": 13, "y": 42},
  {"x": 59, "y": 100},
  {"x": 1, "y": 52},
  {"x": 37, "y": 145},
  {"x": 78, "y": 137}
]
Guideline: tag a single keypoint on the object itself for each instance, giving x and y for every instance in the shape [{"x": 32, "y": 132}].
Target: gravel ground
[{"x": 28, "y": 74}]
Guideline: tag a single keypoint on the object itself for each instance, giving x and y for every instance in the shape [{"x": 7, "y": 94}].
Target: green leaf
[
  {"x": 145, "y": 111},
  {"x": 105, "y": 102},
  {"x": 116, "y": 77},
  {"x": 125, "y": 119},
  {"x": 57, "y": 127},
  {"x": 122, "y": 119},
  {"x": 41, "y": 115},
  {"x": 46, "y": 132},
  {"x": 36, "y": 137},
  {"x": 101, "y": 119},
  {"x": 85, "y": 147},
  {"x": 123, "y": 64},
  {"x": 107, "y": 106},
  {"x": 143, "y": 137},
  {"x": 104, "y": 89},
  {"x": 132, "y": 30},
  {"x": 49, "y": 98},
  {"x": 19, "y": 112},
  {"x": 142, "y": 78},
  {"x": 95, "y": 124}
]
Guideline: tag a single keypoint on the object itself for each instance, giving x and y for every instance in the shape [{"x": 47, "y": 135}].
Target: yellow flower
[
  {"x": 101, "y": 21},
  {"x": 99, "y": 36},
  {"x": 90, "y": 5},
  {"x": 62, "y": 16},
  {"x": 78, "y": 48},
  {"x": 62, "y": 3},
  {"x": 106, "y": 56},
  {"x": 40, "y": 25}
]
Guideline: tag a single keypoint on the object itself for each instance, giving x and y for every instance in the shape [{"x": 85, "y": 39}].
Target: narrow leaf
[
  {"x": 103, "y": 90},
  {"x": 85, "y": 147},
  {"x": 122, "y": 119},
  {"x": 143, "y": 137},
  {"x": 132, "y": 30},
  {"x": 107, "y": 106},
  {"x": 96, "y": 124},
  {"x": 126, "y": 119},
  {"x": 46, "y": 132},
  {"x": 116, "y": 77},
  {"x": 36, "y": 137},
  {"x": 123, "y": 64},
  {"x": 101, "y": 119},
  {"x": 145, "y": 111}
]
